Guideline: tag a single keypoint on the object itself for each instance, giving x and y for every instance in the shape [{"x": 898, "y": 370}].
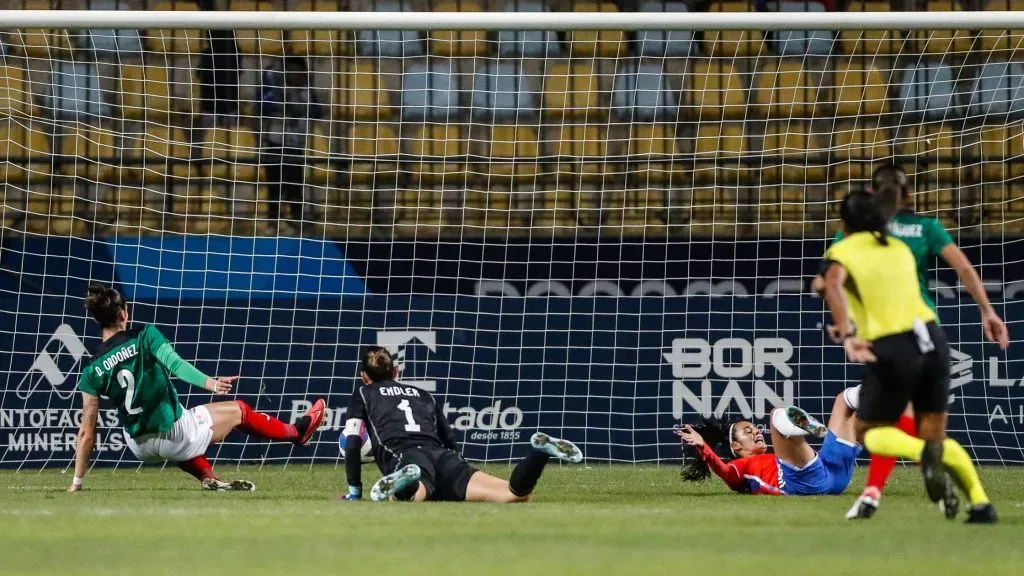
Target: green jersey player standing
[{"x": 132, "y": 368}]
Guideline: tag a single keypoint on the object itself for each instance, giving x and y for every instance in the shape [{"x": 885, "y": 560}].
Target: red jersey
[{"x": 750, "y": 475}]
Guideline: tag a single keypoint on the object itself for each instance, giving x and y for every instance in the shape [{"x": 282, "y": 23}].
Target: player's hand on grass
[
  {"x": 690, "y": 436},
  {"x": 995, "y": 330},
  {"x": 220, "y": 384},
  {"x": 858, "y": 350}
]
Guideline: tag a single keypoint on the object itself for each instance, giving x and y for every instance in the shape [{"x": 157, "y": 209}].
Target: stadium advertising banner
[{"x": 610, "y": 372}]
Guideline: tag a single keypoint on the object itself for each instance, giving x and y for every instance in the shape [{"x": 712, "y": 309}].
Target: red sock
[
  {"x": 264, "y": 425},
  {"x": 198, "y": 467},
  {"x": 881, "y": 466}
]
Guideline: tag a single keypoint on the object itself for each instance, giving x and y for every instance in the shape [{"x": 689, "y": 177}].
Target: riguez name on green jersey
[
  {"x": 131, "y": 368},
  {"x": 926, "y": 238}
]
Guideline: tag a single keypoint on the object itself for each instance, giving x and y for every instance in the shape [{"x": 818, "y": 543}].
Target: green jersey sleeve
[
  {"x": 161, "y": 349},
  {"x": 87, "y": 384},
  {"x": 838, "y": 236},
  {"x": 938, "y": 237}
]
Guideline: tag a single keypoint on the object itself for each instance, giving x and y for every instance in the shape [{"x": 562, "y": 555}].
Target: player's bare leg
[
  {"x": 789, "y": 440},
  {"x": 483, "y": 487}
]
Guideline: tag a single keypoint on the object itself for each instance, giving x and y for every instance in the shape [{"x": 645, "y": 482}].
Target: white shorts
[{"x": 189, "y": 438}]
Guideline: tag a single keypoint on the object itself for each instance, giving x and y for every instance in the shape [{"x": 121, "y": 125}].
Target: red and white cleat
[{"x": 310, "y": 421}]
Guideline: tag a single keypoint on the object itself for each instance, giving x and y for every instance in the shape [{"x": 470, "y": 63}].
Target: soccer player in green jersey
[
  {"x": 132, "y": 368},
  {"x": 927, "y": 239}
]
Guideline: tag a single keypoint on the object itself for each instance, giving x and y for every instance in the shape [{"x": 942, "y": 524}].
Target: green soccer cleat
[
  {"x": 806, "y": 422},
  {"x": 556, "y": 448},
  {"x": 215, "y": 485},
  {"x": 395, "y": 482}
]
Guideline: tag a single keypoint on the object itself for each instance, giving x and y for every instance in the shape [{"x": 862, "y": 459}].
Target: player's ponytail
[
  {"x": 718, "y": 435},
  {"x": 105, "y": 305},
  {"x": 861, "y": 212}
]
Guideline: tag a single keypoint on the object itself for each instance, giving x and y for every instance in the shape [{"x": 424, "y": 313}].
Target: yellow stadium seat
[
  {"x": 463, "y": 43},
  {"x": 571, "y": 92},
  {"x": 319, "y": 170},
  {"x": 437, "y": 148},
  {"x": 37, "y": 42},
  {"x": 15, "y": 96},
  {"x": 733, "y": 43},
  {"x": 855, "y": 148},
  {"x": 998, "y": 151},
  {"x": 870, "y": 42},
  {"x": 175, "y": 41},
  {"x": 490, "y": 209},
  {"x": 782, "y": 91},
  {"x": 653, "y": 147},
  {"x": 860, "y": 89},
  {"x": 510, "y": 146},
  {"x": 789, "y": 158},
  {"x": 317, "y": 42},
  {"x": 580, "y": 149},
  {"x": 780, "y": 210},
  {"x": 231, "y": 154},
  {"x": 719, "y": 149},
  {"x": 711, "y": 211},
  {"x": 357, "y": 94},
  {"x": 25, "y": 154},
  {"x": 715, "y": 90},
  {"x": 159, "y": 155},
  {"x": 1003, "y": 209},
  {"x": 205, "y": 210},
  {"x": 593, "y": 43},
  {"x": 90, "y": 153},
  {"x": 265, "y": 42},
  {"x": 938, "y": 157},
  {"x": 1008, "y": 42},
  {"x": 145, "y": 92},
  {"x": 375, "y": 149},
  {"x": 945, "y": 42}
]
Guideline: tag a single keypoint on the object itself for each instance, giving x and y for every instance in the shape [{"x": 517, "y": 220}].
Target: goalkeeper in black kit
[{"x": 415, "y": 448}]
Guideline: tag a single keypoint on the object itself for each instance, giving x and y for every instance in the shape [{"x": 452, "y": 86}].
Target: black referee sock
[{"x": 526, "y": 474}]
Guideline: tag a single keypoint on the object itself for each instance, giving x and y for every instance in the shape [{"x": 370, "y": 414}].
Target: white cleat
[
  {"x": 556, "y": 448},
  {"x": 214, "y": 485},
  {"x": 397, "y": 481},
  {"x": 865, "y": 506},
  {"x": 806, "y": 422}
]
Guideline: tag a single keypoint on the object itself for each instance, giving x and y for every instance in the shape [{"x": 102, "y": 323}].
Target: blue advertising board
[{"x": 612, "y": 371}]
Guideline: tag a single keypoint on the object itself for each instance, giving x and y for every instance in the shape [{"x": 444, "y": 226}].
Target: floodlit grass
[{"x": 585, "y": 520}]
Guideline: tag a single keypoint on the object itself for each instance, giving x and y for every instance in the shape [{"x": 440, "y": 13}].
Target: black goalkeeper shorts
[
  {"x": 904, "y": 374},
  {"x": 443, "y": 472}
]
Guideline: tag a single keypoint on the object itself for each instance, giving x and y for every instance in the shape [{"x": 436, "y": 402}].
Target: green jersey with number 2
[
  {"x": 131, "y": 369},
  {"x": 926, "y": 238}
]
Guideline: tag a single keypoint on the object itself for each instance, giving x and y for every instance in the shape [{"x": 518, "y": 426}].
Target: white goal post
[{"x": 599, "y": 228}]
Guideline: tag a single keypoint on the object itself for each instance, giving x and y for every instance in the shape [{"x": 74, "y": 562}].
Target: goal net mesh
[{"x": 595, "y": 233}]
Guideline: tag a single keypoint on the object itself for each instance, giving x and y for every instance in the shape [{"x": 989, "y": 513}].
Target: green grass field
[{"x": 585, "y": 520}]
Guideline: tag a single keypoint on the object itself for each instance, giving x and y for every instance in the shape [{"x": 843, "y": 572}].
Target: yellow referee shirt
[{"x": 881, "y": 284}]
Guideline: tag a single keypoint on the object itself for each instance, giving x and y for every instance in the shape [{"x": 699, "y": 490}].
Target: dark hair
[
  {"x": 861, "y": 212},
  {"x": 105, "y": 305},
  {"x": 715, "y": 433},
  {"x": 377, "y": 364},
  {"x": 890, "y": 174}
]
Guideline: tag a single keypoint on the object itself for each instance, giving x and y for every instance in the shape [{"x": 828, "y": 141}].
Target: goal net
[{"x": 598, "y": 230}]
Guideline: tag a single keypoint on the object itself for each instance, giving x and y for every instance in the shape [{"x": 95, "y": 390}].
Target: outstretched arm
[
  {"x": 727, "y": 472},
  {"x": 444, "y": 431},
  {"x": 86, "y": 440},
  {"x": 995, "y": 329},
  {"x": 353, "y": 458},
  {"x": 168, "y": 357},
  {"x": 841, "y": 331}
]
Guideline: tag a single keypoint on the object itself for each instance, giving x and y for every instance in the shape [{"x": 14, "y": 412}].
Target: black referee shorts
[
  {"x": 443, "y": 472},
  {"x": 904, "y": 374}
]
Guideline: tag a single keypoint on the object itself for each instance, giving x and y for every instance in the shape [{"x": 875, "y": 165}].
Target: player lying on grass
[
  {"x": 415, "y": 449},
  {"x": 927, "y": 240},
  {"x": 872, "y": 289},
  {"x": 737, "y": 453},
  {"x": 132, "y": 368}
]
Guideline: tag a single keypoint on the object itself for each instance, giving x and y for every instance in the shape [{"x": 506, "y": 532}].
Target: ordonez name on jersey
[{"x": 129, "y": 351}]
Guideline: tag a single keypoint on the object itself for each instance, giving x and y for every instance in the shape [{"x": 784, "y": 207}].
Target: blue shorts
[{"x": 828, "y": 473}]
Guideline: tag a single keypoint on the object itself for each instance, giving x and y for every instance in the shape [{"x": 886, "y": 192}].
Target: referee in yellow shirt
[{"x": 873, "y": 277}]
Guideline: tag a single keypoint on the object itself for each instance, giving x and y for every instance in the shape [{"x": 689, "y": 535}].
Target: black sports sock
[
  {"x": 526, "y": 474},
  {"x": 407, "y": 493}
]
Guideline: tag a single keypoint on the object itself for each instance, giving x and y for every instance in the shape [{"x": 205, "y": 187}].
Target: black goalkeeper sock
[
  {"x": 526, "y": 474},
  {"x": 407, "y": 493}
]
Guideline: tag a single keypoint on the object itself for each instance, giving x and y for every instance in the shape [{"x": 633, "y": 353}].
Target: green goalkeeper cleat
[
  {"x": 806, "y": 422},
  {"x": 556, "y": 448},
  {"x": 215, "y": 485},
  {"x": 395, "y": 482}
]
